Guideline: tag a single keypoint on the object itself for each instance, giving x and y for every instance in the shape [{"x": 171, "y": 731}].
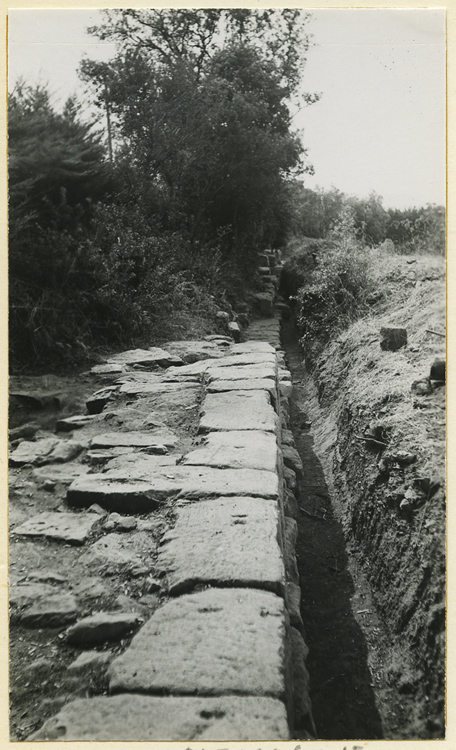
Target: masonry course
[{"x": 221, "y": 656}]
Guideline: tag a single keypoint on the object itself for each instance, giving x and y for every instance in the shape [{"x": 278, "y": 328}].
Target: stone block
[
  {"x": 238, "y": 410},
  {"x": 102, "y": 627},
  {"x": 72, "y": 528},
  {"x": 75, "y": 423},
  {"x": 214, "y": 642},
  {"x": 45, "y": 451},
  {"x": 136, "y": 718},
  {"x": 236, "y": 449},
  {"x": 152, "y": 357},
  {"x": 245, "y": 372},
  {"x": 117, "y": 492},
  {"x": 153, "y": 440},
  {"x": 292, "y": 460},
  {"x": 224, "y": 542},
  {"x": 51, "y": 611}
]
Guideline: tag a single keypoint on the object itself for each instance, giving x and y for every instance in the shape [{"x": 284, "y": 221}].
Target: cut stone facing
[
  {"x": 236, "y": 449},
  {"x": 218, "y": 641},
  {"x": 226, "y": 541},
  {"x": 138, "y": 718},
  {"x": 237, "y": 410}
]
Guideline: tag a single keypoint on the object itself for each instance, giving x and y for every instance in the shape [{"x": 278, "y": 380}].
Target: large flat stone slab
[
  {"x": 226, "y": 541},
  {"x": 145, "y": 357},
  {"x": 247, "y": 347},
  {"x": 150, "y": 440},
  {"x": 51, "y": 611},
  {"x": 246, "y": 358},
  {"x": 241, "y": 373},
  {"x": 72, "y": 528},
  {"x": 118, "y": 491},
  {"x": 236, "y": 449},
  {"x": 223, "y": 386},
  {"x": 151, "y": 388},
  {"x": 215, "y": 642},
  {"x": 237, "y": 410},
  {"x": 131, "y": 718},
  {"x": 45, "y": 451},
  {"x": 194, "y": 351}
]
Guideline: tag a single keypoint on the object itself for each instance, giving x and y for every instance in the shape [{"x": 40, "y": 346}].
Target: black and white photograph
[{"x": 227, "y": 253}]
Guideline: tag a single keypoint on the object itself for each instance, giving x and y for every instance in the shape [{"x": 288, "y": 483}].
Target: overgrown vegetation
[{"x": 133, "y": 237}]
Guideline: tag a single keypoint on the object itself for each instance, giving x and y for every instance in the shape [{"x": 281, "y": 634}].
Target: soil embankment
[{"x": 370, "y": 428}]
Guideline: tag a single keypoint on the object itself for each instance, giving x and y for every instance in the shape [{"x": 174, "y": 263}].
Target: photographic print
[{"x": 227, "y": 354}]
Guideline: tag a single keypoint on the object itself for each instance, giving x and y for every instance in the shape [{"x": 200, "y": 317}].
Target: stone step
[{"x": 238, "y": 410}]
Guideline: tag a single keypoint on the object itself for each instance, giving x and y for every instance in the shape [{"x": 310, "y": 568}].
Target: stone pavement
[{"x": 222, "y": 655}]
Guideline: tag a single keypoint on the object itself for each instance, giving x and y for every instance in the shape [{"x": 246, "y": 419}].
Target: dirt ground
[
  {"x": 372, "y": 530},
  {"x": 118, "y": 576}
]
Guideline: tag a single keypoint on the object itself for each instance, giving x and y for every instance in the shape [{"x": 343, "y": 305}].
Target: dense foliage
[
  {"x": 132, "y": 239},
  {"x": 414, "y": 230}
]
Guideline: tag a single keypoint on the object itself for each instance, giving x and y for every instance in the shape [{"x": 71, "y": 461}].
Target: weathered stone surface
[
  {"x": 258, "y": 358},
  {"x": 118, "y": 491},
  {"x": 226, "y": 541},
  {"x": 290, "y": 477},
  {"x": 52, "y": 611},
  {"x": 110, "y": 369},
  {"x": 116, "y": 522},
  {"x": 223, "y": 386},
  {"x": 97, "y": 401},
  {"x": 72, "y": 528},
  {"x": 46, "y": 576},
  {"x": 45, "y": 451},
  {"x": 150, "y": 440},
  {"x": 134, "y": 496},
  {"x": 287, "y": 437},
  {"x": 293, "y": 599},
  {"x": 151, "y": 388},
  {"x": 234, "y": 330},
  {"x": 194, "y": 351},
  {"x": 238, "y": 410},
  {"x": 23, "y": 431},
  {"x": 155, "y": 718},
  {"x": 289, "y": 547},
  {"x": 292, "y": 459},
  {"x": 74, "y": 423},
  {"x": 248, "y": 347},
  {"x": 264, "y": 302},
  {"x": 25, "y": 595},
  {"x": 393, "y": 339},
  {"x": 290, "y": 505},
  {"x": 302, "y": 706},
  {"x": 255, "y": 372},
  {"x": 237, "y": 449},
  {"x": 285, "y": 388},
  {"x": 114, "y": 552},
  {"x": 146, "y": 358},
  {"x": 102, "y": 627},
  {"x": 60, "y": 474},
  {"x": 91, "y": 660},
  {"x": 218, "y": 641}
]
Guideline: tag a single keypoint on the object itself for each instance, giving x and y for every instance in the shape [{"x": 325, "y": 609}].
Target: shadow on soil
[{"x": 341, "y": 691}]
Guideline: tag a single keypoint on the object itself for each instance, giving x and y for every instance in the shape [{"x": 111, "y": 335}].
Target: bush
[{"x": 335, "y": 292}]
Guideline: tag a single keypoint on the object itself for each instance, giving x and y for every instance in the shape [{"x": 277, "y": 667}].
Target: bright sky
[{"x": 379, "y": 126}]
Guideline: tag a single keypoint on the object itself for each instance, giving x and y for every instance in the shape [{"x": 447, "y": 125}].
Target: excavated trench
[{"x": 350, "y": 648}]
